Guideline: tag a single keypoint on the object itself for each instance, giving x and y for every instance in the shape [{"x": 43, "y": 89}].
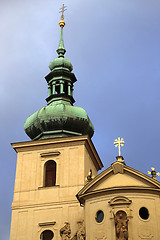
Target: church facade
[
  {"x": 121, "y": 203},
  {"x": 58, "y": 192}
]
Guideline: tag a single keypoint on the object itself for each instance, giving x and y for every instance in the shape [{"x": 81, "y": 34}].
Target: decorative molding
[
  {"x": 118, "y": 167},
  {"x": 55, "y": 153},
  {"x": 47, "y": 224},
  {"x": 86, "y": 193},
  {"x": 146, "y": 231},
  {"x": 65, "y": 232},
  {"x": 43, "y": 187},
  {"x": 81, "y": 232},
  {"x": 120, "y": 200},
  {"x": 127, "y": 210},
  {"x": 17, "y": 207},
  {"x": 100, "y": 235}
]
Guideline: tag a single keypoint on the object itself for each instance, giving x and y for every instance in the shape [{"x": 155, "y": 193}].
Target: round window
[
  {"x": 143, "y": 213},
  {"x": 47, "y": 235},
  {"x": 99, "y": 216}
]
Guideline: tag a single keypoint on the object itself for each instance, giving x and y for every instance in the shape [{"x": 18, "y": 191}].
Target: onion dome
[{"x": 59, "y": 118}]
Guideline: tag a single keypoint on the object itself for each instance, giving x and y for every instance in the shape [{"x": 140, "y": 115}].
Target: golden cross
[
  {"x": 153, "y": 173},
  {"x": 62, "y": 11},
  {"x": 119, "y": 143}
]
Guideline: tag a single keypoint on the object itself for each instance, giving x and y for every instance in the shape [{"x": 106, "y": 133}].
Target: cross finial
[
  {"x": 62, "y": 11},
  {"x": 119, "y": 143},
  {"x": 153, "y": 173},
  {"x": 62, "y": 23}
]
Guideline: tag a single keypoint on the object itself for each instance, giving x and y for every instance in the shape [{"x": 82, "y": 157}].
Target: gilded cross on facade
[
  {"x": 62, "y": 11},
  {"x": 153, "y": 173},
  {"x": 119, "y": 142}
]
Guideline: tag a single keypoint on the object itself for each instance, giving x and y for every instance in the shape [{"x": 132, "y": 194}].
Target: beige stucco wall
[
  {"x": 137, "y": 227},
  {"x": 25, "y": 221},
  {"x": 35, "y": 205},
  {"x": 121, "y": 188}
]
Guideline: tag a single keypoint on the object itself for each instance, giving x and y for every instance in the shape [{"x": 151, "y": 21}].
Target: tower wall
[{"x": 37, "y": 208}]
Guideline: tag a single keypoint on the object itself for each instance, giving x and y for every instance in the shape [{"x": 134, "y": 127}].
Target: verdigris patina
[{"x": 60, "y": 118}]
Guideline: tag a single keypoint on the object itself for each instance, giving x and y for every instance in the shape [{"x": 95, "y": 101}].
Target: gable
[
  {"x": 119, "y": 176},
  {"x": 120, "y": 180}
]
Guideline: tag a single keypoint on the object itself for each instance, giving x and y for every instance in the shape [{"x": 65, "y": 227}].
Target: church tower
[
  {"x": 53, "y": 166},
  {"x": 58, "y": 194}
]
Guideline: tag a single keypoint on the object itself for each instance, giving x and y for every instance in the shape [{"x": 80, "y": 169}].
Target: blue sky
[{"x": 114, "y": 46}]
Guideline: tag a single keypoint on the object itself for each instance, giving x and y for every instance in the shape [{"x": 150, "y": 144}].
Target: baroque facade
[{"x": 58, "y": 193}]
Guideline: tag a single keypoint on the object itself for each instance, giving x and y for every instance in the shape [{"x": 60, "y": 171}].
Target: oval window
[
  {"x": 99, "y": 216},
  {"x": 143, "y": 213}
]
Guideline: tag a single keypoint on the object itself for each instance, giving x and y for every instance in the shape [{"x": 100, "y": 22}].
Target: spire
[
  {"x": 60, "y": 118},
  {"x": 60, "y": 80},
  {"x": 61, "y": 49}
]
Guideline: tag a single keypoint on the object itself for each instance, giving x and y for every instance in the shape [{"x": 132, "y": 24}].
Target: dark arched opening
[
  {"x": 50, "y": 173},
  {"x": 47, "y": 235}
]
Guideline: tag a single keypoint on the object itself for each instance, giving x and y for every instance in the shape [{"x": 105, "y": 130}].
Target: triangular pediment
[
  {"x": 120, "y": 180},
  {"x": 119, "y": 176}
]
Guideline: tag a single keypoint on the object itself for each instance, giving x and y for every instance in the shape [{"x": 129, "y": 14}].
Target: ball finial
[{"x": 61, "y": 23}]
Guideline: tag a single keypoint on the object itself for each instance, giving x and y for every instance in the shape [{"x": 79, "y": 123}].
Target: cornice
[
  {"x": 78, "y": 140},
  {"x": 42, "y": 205},
  {"x": 87, "y": 192},
  {"x": 122, "y": 189}
]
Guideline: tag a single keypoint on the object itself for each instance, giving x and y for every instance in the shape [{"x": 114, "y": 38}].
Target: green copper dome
[
  {"x": 60, "y": 118},
  {"x": 59, "y": 63}
]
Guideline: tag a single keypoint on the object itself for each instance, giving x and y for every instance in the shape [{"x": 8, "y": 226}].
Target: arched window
[
  {"x": 47, "y": 235},
  {"x": 50, "y": 173}
]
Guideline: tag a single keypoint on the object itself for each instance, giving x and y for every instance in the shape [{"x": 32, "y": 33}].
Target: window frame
[
  {"x": 41, "y": 235},
  {"x": 44, "y": 175}
]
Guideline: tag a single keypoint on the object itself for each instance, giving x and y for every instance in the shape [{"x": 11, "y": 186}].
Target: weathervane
[
  {"x": 119, "y": 143},
  {"x": 153, "y": 173}
]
